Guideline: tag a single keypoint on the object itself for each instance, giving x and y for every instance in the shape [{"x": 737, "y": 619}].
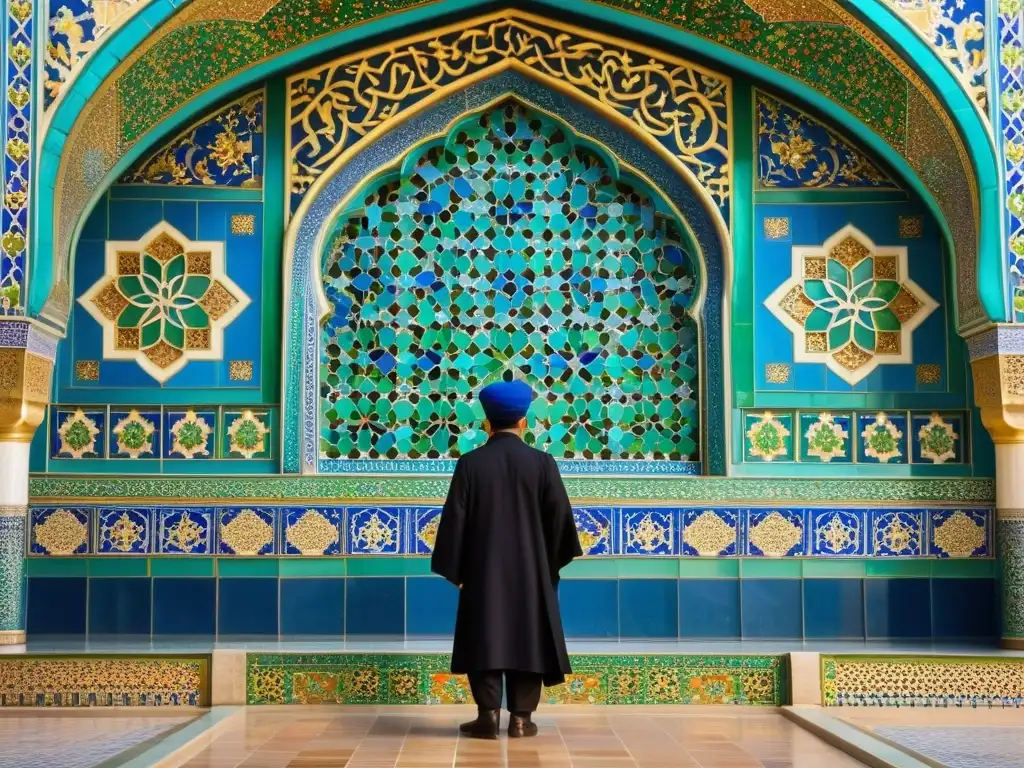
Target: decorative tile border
[
  {"x": 65, "y": 489},
  {"x": 923, "y": 681},
  {"x": 364, "y": 678},
  {"x": 644, "y": 531},
  {"x": 101, "y": 680},
  {"x": 862, "y": 437}
]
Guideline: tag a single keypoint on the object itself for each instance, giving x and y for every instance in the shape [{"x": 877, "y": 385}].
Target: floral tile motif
[
  {"x": 638, "y": 307},
  {"x": 937, "y": 438},
  {"x": 596, "y": 530},
  {"x": 312, "y": 531},
  {"x": 399, "y": 678},
  {"x": 796, "y": 151},
  {"x": 710, "y": 532},
  {"x": 190, "y": 434},
  {"x": 19, "y": 120},
  {"x": 247, "y": 434},
  {"x": 122, "y": 531},
  {"x": 223, "y": 149},
  {"x": 776, "y": 532},
  {"x": 423, "y": 525},
  {"x": 185, "y": 531},
  {"x": 851, "y": 305},
  {"x": 1011, "y": 102},
  {"x": 59, "y": 531},
  {"x": 882, "y": 438},
  {"x": 768, "y": 436},
  {"x": 77, "y": 433},
  {"x": 134, "y": 435},
  {"x": 838, "y": 533},
  {"x": 958, "y": 533},
  {"x": 375, "y": 531},
  {"x": 825, "y": 437},
  {"x": 648, "y": 532},
  {"x": 164, "y": 301},
  {"x": 897, "y": 532},
  {"x": 246, "y": 531}
]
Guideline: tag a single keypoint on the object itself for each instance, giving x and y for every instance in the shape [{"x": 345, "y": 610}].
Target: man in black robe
[{"x": 506, "y": 531}]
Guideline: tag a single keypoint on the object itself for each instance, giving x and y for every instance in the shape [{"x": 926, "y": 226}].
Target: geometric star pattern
[
  {"x": 851, "y": 305},
  {"x": 164, "y": 300}
]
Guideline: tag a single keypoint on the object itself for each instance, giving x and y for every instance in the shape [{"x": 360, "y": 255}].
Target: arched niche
[{"x": 339, "y": 192}]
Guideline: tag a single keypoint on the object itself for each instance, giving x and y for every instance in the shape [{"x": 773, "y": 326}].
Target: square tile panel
[
  {"x": 246, "y": 531},
  {"x": 838, "y": 532},
  {"x": 776, "y": 532},
  {"x": 312, "y": 531},
  {"x": 595, "y": 528},
  {"x": 882, "y": 437},
  {"x": 768, "y": 436},
  {"x": 937, "y": 438},
  {"x": 826, "y": 437},
  {"x": 423, "y": 523},
  {"x": 647, "y": 532},
  {"x": 710, "y": 532},
  {"x": 185, "y": 531},
  {"x": 374, "y": 530},
  {"x": 134, "y": 434},
  {"x": 958, "y": 533},
  {"x": 190, "y": 434},
  {"x": 897, "y": 532},
  {"x": 77, "y": 433},
  {"x": 59, "y": 531},
  {"x": 123, "y": 531}
]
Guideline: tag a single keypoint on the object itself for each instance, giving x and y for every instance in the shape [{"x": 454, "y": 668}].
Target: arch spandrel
[{"x": 102, "y": 144}]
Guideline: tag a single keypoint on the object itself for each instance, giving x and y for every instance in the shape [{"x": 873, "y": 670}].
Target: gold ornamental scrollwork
[{"x": 682, "y": 106}]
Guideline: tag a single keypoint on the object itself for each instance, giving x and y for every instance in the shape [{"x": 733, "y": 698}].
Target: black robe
[{"x": 506, "y": 531}]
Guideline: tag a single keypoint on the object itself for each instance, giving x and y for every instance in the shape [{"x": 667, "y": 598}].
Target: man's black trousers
[{"x": 522, "y": 690}]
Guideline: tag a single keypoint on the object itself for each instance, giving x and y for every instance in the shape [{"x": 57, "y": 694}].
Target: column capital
[
  {"x": 997, "y": 361},
  {"x": 27, "y": 354}
]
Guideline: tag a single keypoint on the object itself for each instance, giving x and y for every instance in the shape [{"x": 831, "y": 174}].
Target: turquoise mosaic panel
[{"x": 509, "y": 250}]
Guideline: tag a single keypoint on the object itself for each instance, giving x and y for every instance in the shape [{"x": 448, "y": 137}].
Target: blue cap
[{"x": 506, "y": 402}]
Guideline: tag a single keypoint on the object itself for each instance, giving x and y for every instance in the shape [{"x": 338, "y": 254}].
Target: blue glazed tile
[
  {"x": 247, "y": 606},
  {"x": 648, "y": 532},
  {"x": 776, "y": 532},
  {"x": 834, "y": 609},
  {"x": 771, "y": 608},
  {"x": 839, "y": 532},
  {"x": 374, "y": 531},
  {"x": 375, "y": 606},
  {"x": 56, "y": 606},
  {"x": 190, "y": 435},
  {"x": 648, "y": 608},
  {"x": 430, "y": 607},
  {"x": 185, "y": 606},
  {"x": 119, "y": 606},
  {"x": 882, "y": 437},
  {"x": 897, "y": 532},
  {"x": 826, "y": 438},
  {"x": 122, "y": 531},
  {"x": 768, "y": 436},
  {"x": 313, "y": 607},
  {"x": 898, "y": 608},
  {"x": 263, "y": 446},
  {"x": 709, "y": 609},
  {"x": 422, "y": 525},
  {"x": 710, "y": 532},
  {"x": 185, "y": 531},
  {"x": 134, "y": 435},
  {"x": 246, "y": 531},
  {"x": 60, "y": 531},
  {"x": 960, "y": 532},
  {"x": 937, "y": 438},
  {"x": 77, "y": 433},
  {"x": 311, "y": 531},
  {"x": 595, "y": 528},
  {"x": 590, "y": 607},
  {"x": 964, "y": 609}
]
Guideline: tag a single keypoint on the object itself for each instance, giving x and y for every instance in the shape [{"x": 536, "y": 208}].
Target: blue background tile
[
  {"x": 119, "y": 606},
  {"x": 375, "y": 606},
  {"x": 648, "y": 608},
  {"x": 430, "y": 606},
  {"x": 313, "y": 606},
  {"x": 247, "y": 606},
  {"x": 834, "y": 609},
  {"x": 184, "y": 606},
  {"x": 56, "y": 606},
  {"x": 709, "y": 608},
  {"x": 964, "y": 608},
  {"x": 898, "y": 608},
  {"x": 771, "y": 608},
  {"x": 590, "y": 607}
]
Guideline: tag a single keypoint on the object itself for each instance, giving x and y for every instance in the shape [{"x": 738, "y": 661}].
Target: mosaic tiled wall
[
  {"x": 1011, "y": 125},
  {"x": 424, "y": 679},
  {"x": 923, "y": 681},
  {"x": 18, "y": 31}
]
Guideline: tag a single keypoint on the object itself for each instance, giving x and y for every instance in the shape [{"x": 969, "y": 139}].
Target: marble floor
[
  {"x": 43, "y": 740},
  {"x": 417, "y": 737}
]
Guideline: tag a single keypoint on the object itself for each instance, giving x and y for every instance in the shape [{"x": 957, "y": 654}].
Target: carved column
[
  {"x": 26, "y": 368},
  {"x": 997, "y": 361}
]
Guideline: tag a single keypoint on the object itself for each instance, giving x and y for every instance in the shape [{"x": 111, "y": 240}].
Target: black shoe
[
  {"x": 484, "y": 727},
  {"x": 521, "y": 727}
]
